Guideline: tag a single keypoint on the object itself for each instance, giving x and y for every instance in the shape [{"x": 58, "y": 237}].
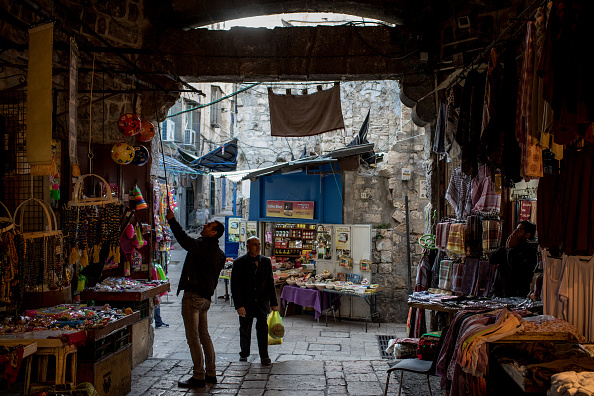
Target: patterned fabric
[
  {"x": 483, "y": 278},
  {"x": 525, "y": 210},
  {"x": 484, "y": 197},
  {"x": 458, "y": 193},
  {"x": 474, "y": 236},
  {"x": 544, "y": 324},
  {"x": 452, "y": 148},
  {"x": 532, "y": 166},
  {"x": 457, "y": 275},
  {"x": 491, "y": 235},
  {"x": 442, "y": 230},
  {"x": 456, "y": 239},
  {"x": 423, "y": 273},
  {"x": 445, "y": 275},
  {"x": 468, "y": 277}
]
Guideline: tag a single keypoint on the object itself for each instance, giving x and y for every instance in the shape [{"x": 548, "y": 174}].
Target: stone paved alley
[{"x": 340, "y": 359}]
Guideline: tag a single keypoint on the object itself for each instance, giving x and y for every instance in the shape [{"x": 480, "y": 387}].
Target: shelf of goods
[{"x": 295, "y": 240}]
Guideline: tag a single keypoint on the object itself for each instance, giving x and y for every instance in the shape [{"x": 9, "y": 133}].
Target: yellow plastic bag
[
  {"x": 274, "y": 341},
  {"x": 276, "y": 329}
]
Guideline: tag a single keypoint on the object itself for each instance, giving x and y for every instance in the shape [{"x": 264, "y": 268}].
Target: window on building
[
  {"x": 189, "y": 131},
  {"x": 215, "y": 110}
]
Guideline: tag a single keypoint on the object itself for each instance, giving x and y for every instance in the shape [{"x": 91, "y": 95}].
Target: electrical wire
[{"x": 214, "y": 101}]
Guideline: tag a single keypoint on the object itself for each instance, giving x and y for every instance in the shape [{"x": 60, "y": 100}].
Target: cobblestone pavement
[{"x": 341, "y": 359}]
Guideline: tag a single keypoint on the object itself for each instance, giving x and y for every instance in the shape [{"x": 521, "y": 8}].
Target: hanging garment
[
  {"x": 458, "y": 193},
  {"x": 470, "y": 119},
  {"x": 423, "y": 278},
  {"x": 469, "y": 275},
  {"x": 531, "y": 151},
  {"x": 482, "y": 282},
  {"x": 451, "y": 146},
  {"x": 491, "y": 134},
  {"x": 456, "y": 243},
  {"x": 578, "y": 190},
  {"x": 482, "y": 190},
  {"x": 457, "y": 275},
  {"x": 305, "y": 115},
  {"x": 474, "y": 235},
  {"x": 445, "y": 275},
  {"x": 440, "y": 130},
  {"x": 525, "y": 210},
  {"x": 435, "y": 269},
  {"x": 549, "y": 220},
  {"x": 491, "y": 235},
  {"x": 577, "y": 294},
  {"x": 552, "y": 274},
  {"x": 442, "y": 230}
]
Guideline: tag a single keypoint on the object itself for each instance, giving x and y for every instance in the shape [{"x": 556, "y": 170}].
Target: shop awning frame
[
  {"x": 176, "y": 167},
  {"x": 221, "y": 159},
  {"x": 331, "y": 157}
]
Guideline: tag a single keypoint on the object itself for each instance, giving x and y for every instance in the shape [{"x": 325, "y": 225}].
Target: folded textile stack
[{"x": 572, "y": 383}]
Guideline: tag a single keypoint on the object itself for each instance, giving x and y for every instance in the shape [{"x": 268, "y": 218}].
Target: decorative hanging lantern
[
  {"x": 141, "y": 156},
  {"x": 147, "y": 132},
  {"x": 122, "y": 153},
  {"x": 129, "y": 124}
]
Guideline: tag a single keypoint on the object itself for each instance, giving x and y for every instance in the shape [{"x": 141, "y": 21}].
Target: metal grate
[
  {"x": 382, "y": 343},
  {"x": 16, "y": 183}
]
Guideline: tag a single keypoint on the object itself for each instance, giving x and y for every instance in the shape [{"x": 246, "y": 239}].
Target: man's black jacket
[
  {"x": 203, "y": 264},
  {"x": 253, "y": 288}
]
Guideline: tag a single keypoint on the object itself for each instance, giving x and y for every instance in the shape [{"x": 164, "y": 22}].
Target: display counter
[{"x": 124, "y": 295}]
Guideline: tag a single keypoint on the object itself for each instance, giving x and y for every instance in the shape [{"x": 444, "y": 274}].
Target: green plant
[{"x": 383, "y": 226}]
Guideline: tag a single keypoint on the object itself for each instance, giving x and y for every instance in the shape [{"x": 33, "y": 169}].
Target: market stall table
[
  {"x": 305, "y": 297},
  {"x": 46, "y": 346},
  {"x": 138, "y": 300},
  {"x": 369, "y": 298}
]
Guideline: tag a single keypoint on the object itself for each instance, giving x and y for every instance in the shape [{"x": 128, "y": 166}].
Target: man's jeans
[{"x": 194, "y": 312}]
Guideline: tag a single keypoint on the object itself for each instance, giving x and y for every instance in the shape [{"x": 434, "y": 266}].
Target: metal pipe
[{"x": 408, "y": 260}]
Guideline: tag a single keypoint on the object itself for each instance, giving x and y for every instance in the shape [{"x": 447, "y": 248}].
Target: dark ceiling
[{"x": 149, "y": 49}]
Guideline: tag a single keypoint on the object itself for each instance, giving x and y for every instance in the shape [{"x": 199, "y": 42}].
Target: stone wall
[{"x": 383, "y": 201}]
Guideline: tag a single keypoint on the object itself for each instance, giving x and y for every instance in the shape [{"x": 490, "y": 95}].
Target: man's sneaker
[
  {"x": 266, "y": 362},
  {"x": 242, "y": 359},
  {"x": 192, "y": 383},
  {"x": 211, "y": 379}
]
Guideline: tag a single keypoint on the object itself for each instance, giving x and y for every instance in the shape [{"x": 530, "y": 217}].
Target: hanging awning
[
  {"x": 173, "y": 166},
  {"x": 221, "y": 159}
]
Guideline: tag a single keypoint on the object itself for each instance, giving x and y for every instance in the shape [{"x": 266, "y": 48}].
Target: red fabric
[
  {"x": 10, "y": 364},
  {"x": 77, "y": 339}
]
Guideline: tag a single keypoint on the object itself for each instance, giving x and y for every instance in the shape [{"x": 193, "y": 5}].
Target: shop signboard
[
  {"x": 290, "y": 209},
  {"x": 233, "y": 229}
]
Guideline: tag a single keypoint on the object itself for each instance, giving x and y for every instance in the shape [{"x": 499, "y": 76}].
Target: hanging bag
[{"x": 276, "y": 329}]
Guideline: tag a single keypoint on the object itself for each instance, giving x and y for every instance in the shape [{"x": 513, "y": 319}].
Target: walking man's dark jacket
[
  {"x": 203, "y": 263},
  {"x": 253, "y": 286}
]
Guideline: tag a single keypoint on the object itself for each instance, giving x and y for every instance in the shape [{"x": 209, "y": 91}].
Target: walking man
[
  {"x": 199, "y": 278},
  {"x": 252, "y": 287}
]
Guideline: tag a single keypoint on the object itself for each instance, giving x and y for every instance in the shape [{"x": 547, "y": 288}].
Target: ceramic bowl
[
  {"x": 329, "y": 286},
  {"x": 300, "y": 284},
  {"x": 291, "y": 282},
  {"x": 338, "y": 287},
  {"x": 310, "y": 285},
  {"x": 320, "y": 286}
]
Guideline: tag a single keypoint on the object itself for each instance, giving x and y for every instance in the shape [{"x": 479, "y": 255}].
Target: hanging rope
[{"x": 90, "y": 154}]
